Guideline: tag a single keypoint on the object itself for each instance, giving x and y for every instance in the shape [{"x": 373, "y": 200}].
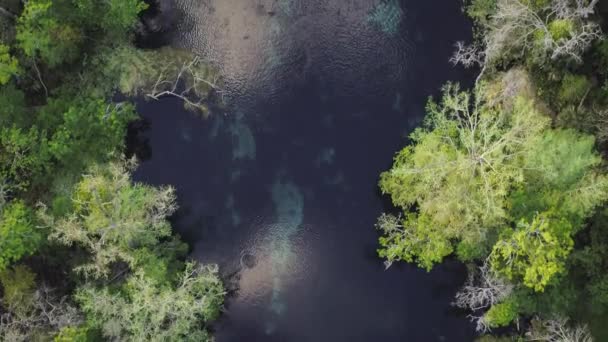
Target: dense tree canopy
[
  {"x": 508, "y": 176},
  {"x": 143, "y": 310},
  {"x": 85, "y": 253}
]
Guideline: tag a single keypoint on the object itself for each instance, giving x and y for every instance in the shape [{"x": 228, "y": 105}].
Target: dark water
[{"x": 281, "y": 189}]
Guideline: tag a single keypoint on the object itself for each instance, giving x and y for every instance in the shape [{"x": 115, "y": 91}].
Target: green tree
[
  {"x": 9, "y": 66},
  {"x": 457, "y": 172},
  {"x": 112, "y": 219},
  {"x": 18, "y": 285},
  {"x": 73, "y": 334},
  {"x": 534, "y": 252},
  {"x": 19, "y": 236},
  {"x": 40, "y": 34},
  {"x": 145, "y": 311},
  {"x": 22, "y": 156}
]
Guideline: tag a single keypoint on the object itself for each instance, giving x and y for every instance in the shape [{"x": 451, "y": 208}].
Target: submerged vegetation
[
  {"x": 85, "y": 253},
  {"x": 510, "y": 176}
]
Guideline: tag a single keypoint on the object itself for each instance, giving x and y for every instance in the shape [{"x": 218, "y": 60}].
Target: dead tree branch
[{"x": 189, "y": 84}]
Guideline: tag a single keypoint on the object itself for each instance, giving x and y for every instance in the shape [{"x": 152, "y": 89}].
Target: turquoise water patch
[
  {"x": 397, "y": 103},
  {"x": 235, "y": 175},
  {"x": 287, "y": 7},
  {"x": 386, "y": 16},
  {"x": 216, "y": 125},
  {"x": 326, "y": 157},
  {"x": 288, "y": 203},
  {"x": 243, "y": 141},
  {"x": 235, "y": 217},
  {"x": 335, "y": 180}
]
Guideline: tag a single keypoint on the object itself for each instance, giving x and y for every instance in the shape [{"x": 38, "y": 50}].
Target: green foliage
[
  {"x": 573, "y": 89},
  {"x": 60, "y": 63},
  {"x": 592, "y": 262},
  {"x": 481, "y": 10},
  {"x": 9, "y": 66},
  {"x": 73, "y": 334},
  {"x": 18, "y": 235},
  {"x": 113, "y": 218},
  {"x": 55, "y": 30},
  {"x": 561, "y": 174},
  {"x": 23, "y": 156},
  {"x": 414, "y": 240},
  {"x": 18, "y": 285},
  {"x": 12, "y": 107},
  {"x": 120, "y": 16},
  {"x": 88, "y": 132},
  {"x": 458, "y": 173},
  {"x": 143, "y": 310},
  {"x": 489, "y": 179},
  {"x": 73, "y": 135},
  {"x": 534, "y": 252},
  {"x": 41, "y": 34},
  {"x": 501, "y": 314},
  {"x": 561, "y": 28}
]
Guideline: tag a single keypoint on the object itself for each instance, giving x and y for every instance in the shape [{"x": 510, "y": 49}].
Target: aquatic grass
[
  {"x": 327, "y": 156},
  {"x": 244, "y": 146},
  {"x": 287, "y": 7},
  {"x": 386, "y": 16},
  {"x": 289, "y": 214}
]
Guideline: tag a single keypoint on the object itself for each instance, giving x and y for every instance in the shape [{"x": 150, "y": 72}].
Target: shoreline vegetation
[
  {"x": 510, "y": 176},
  {"x": 86, "y": 254}
]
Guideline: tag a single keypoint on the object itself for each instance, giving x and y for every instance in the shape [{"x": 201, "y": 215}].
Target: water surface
[{"x": 280, "y": 189}]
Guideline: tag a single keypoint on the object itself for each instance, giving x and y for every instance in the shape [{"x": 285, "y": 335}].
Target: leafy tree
[
  {"x": 18, "y": 235},
  {"x": 18, "y": 285},
  {"x": 457, "y": 172},
  {"x": 113, "y": 219},
  {"x": 9, "y": 66},
  {"x": 540, "y": 31},
  {"x": 23, "y": 156},
  {"x": 535, "y": 252},
  {"x": 12, "y": 107},
  {"x": 80, "y": 53},
  {"x": 489, "y": 179},
  {"x": 73, "y": 334},
  {"x": 87, "y": 130},
  {"x": 55, "y": 30},
  {"x": 143, "y": 310},
  {"x": 561, "y": 173},
  {"x": 41, "y": 34},
  {"x": 501, "y": 314}
]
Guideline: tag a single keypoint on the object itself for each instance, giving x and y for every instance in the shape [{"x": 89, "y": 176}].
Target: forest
[
  {"x": 87, "y": 254},
  {"x": 510, "y": 177}
]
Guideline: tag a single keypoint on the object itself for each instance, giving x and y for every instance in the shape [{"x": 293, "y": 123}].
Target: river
[{"x": 280, "y": 188}]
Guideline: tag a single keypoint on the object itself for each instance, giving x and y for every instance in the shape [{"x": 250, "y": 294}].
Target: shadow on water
[{"x": 281, "y": 191}]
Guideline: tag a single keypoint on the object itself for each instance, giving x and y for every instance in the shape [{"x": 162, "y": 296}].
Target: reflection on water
[
  {"x": 270, "y": 47},
  {"x": 280, "y": 188},
  {"x": 289, "y": 207}
]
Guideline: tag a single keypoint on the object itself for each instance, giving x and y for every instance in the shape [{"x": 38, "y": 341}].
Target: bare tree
[
  {"x": 186, "y": 82},
  {"x": 516, "y": 28},
  {"x": 389, "y": 223},
  {"x": 48, "y": 312},
  {"x": 482, "y": 290},
  {"x": 558, "y": 330}
]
